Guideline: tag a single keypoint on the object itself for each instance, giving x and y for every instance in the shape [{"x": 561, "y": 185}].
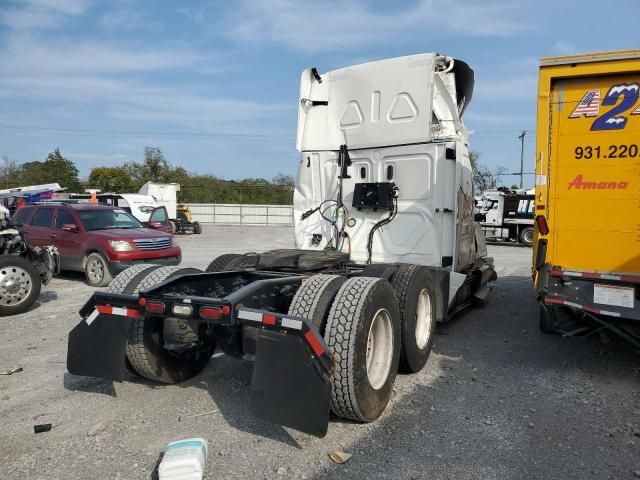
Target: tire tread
[
  {"x": 136, "y": 351},
  {"x": 340, "y": 337}
]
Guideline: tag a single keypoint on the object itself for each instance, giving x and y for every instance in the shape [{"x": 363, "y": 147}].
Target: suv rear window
[
  {"x": 22, "y": 214},
  {"x": 43, "y": 217},
  {"x": 107, "y": 219}
]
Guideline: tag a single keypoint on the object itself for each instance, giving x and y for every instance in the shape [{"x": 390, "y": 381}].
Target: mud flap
[
  {"x": 290, "y": 386},
  {"x": 97, "y": 347}
]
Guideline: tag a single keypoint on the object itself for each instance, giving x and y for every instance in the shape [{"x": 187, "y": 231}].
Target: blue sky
[{"x": 214, "y": 84}]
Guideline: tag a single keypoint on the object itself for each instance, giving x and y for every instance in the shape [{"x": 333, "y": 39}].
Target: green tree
[
  {"x": 282, "y": 179},
  {"x": 483, "y": 178},
  {"x": 10, "y": 173},
  {"x": 155, "y": 168},
  {"x": 112, "y": 179},
  {"x": 55, "y": 169}
]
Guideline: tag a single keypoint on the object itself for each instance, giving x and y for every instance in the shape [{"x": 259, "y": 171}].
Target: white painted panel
[
  {"x": 229, "y": 214},
  {"x": 375, "y": 104}
]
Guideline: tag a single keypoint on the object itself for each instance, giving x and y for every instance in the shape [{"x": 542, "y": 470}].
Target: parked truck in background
[
  {"x": 385, "y": 246},
  {"x": 155, "y": 205},
  {"x": 507, "y": 215},
  {"x": 587, "y": 248}
]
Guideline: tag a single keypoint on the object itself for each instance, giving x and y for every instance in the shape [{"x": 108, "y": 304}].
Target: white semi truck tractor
[{"x": 385, "y": 247}]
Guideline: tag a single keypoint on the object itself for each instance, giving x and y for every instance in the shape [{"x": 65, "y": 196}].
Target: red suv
[{"x": 98, "y": 240}]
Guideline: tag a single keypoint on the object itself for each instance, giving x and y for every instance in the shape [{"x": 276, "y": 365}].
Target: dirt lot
[{"x": 497, "y": 400}]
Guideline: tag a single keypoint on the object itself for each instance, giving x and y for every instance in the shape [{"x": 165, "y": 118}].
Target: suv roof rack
[{"x": 59, "y": 201}]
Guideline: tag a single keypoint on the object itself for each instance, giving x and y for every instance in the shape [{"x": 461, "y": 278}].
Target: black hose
[{"x": 380, "y": 224}]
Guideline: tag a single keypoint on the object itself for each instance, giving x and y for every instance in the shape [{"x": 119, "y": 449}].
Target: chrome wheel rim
[
  {"x": 95, "y": 270},
  {"x": 528, "y": 236},
  {"x": 424, "y": 319},
  {"x": 15, "y": 286},
  {"x": 379, "y": 349}
]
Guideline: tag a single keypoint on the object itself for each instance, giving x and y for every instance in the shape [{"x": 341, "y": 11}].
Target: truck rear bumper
[
  {"x": 291, "y": 381},
  {"x": 613, "y": 296}
]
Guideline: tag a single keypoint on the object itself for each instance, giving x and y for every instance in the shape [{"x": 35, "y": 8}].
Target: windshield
[{"x": 107, "y": 219}]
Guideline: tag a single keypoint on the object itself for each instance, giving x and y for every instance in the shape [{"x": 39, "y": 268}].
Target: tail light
[
  {"x": 315, "y": 345},
  {"x": 541, "y": 223},
  {"x": 268, "y": 319},
  {"x": 210, "y": 312},
  {"x": 154, "y": 307}
]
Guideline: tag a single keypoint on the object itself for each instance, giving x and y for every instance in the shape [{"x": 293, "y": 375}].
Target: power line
[
  {"x": 123, "y": 133},
  {"x": 133, "y": 133}
]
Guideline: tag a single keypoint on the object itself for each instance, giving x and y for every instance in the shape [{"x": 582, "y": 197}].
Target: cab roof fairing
[{"x": 337, "y": 107}]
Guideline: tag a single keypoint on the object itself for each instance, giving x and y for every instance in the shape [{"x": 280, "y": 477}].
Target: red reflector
[
  {"x": 142, "y": 301},
  {"x": 541, "y": 223},
  {"x": 154, "y": 307},
  {"x": 268, "y": 319},
  {"x": 314, "y": 343},
  {"x": 540, "y": 207},
  {"x": 104, "y": 309},
  {"x": 210, "y": 312},
  {"x": 226, "y": 310}
]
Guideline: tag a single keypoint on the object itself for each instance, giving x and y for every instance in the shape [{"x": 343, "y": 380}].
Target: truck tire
[
  {"x": 19, "y": 284},
  {"x": 526, "y": 236},
  {"x": 127, "y": 281},
  {"x": 548, "y": 318},
  {"x": 221, "y": 263},
  {"x": 96, "y": 270},
  {"x": 145, "y": 351},
  {"x": 197, "y": 228},
  {"x": 314, "y": 298},
  {"x": 363, "y": 333},
  {"x": 414, "y": 289}
]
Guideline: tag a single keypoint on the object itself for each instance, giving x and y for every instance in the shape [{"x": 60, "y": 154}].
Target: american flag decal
[{"x": 589, "y": 106}]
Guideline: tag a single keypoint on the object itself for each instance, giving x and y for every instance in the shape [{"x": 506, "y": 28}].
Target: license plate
[{"x": 613, "y": 295}]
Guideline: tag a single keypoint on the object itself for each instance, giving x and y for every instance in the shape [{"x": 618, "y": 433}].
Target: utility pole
[{"x": 521, "y": 137}]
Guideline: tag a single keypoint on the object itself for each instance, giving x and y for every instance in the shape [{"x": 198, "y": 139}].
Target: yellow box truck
[{"x": 587, "y": 227}]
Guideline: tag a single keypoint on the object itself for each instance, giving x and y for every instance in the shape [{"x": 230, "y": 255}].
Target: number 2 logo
[{"x": 611, "y": 120}]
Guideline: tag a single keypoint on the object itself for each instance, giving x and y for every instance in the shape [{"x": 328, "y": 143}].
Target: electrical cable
[{"x": 380, "y": 224}]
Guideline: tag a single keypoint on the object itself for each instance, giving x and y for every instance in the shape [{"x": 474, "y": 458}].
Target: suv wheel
[{"x": 97, "y": 271}]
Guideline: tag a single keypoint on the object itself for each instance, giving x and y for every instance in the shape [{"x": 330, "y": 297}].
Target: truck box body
[{"x": 588, "y": 171}]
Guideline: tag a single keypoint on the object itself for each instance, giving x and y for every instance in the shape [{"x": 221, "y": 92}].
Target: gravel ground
[{"x": 497, "y": 399}]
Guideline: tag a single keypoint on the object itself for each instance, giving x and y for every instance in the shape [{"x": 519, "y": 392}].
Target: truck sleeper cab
[{"x": 386, "y": 247}]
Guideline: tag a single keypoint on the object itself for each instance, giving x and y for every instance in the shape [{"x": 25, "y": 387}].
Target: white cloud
[
  {"x": 29, "y": 14},
  {"x": 507, "y": 87},
  {"x": 308, "y": 25},
  {"x": 116, "y": 79},
  {"x": 564, "y": 48},
  {"x": 127, "y": 19},
  {"x": 24, "y": 54}
]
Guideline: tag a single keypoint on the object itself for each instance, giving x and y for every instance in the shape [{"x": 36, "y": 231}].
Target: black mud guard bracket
[
  {"x": 97, "y": 345},
  {"x": 291, "y": 382},
  {"x": 98, "y": 349}
]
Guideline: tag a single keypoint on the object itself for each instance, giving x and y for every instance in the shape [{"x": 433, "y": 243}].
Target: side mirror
[
  {"x": 70, "y": 227},
  {"x": 480, "y": 217}
]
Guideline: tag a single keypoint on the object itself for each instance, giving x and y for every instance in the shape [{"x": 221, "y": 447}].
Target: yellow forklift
[{"x": 183, "y": 222}]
